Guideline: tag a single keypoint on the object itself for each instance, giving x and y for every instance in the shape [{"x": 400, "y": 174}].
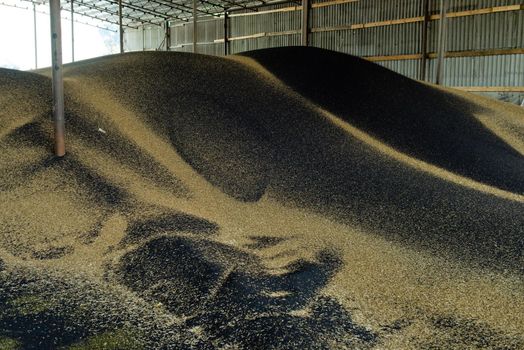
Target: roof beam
[
  {"x": 171, "y": 6},
  {"x": 46, "y": 13},
  {"x": 213, "y": 4},
  {"x": 113, "y": 13},
  {"x": 242, "y": 6},
  {"x": 144, "y": 10},
  {"x": 184, "y": 8},
  {"x": 264, "y": 4}
]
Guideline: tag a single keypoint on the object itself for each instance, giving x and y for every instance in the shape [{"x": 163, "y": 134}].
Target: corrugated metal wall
[
  {"x": 267, "y": 23},
  {"x": 208, "y": 30},
  {"x": 331, "y": 29},
  {"x": 147, "y": 38}
]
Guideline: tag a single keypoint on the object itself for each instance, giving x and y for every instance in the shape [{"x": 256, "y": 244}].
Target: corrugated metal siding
[
  {"x": 133, "y": 40},
  {"x": 409, "y": 68},
  {"x": 481, "y": 32},
  {"x": 265, "y": 23},
  {"x": 502, "y": 30},
  {"x": 145, "y": 38},
  {"x": 264, "y": 42},
  {"x": 377, "y": 41},
  {"x": 504, "y": 70},
  {"x": 208, "y": 30}
]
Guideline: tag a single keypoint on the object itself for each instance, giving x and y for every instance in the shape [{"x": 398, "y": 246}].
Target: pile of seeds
[{"x": 281, "y": 199}]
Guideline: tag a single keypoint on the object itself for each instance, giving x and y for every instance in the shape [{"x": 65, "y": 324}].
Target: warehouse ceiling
[{"x": 154, "y": 12}]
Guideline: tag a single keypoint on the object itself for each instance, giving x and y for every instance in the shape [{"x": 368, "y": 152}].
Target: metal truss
[{"x": 153, "y": 12}]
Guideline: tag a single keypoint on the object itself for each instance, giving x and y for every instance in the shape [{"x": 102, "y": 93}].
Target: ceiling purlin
[
  {"x": 186, "y": 8},
  {"x": 221, "y": 6},
  {"x": 139, "y": 8},
  {"x": 107, "y": 9},
  {"x": 102, "y": 20},
  {"x": 90, "y": 7},
  {"x": 232, "y": 3},
  {"x": 182, "y": 9},
  {"x": 153, "y": 11},
  {"x": 98, "y": 16},
  {"x": 170, "y": 5},
  {"x": 134, "y": 12},
  {"x": 169, "y": 11}
]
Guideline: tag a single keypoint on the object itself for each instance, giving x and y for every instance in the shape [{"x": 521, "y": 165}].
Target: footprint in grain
[{"x": 229, "y": 297}]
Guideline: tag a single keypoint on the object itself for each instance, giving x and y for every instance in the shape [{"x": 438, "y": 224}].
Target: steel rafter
[
  {"x": 171, "y": 6},
  {"x": 107, "y": 10},
  {"x": 144, "y": 10},
  {"x": 185, "y": 8},
  {"x": 76, "y": 20},
  {"x": 155, "y": 12}
]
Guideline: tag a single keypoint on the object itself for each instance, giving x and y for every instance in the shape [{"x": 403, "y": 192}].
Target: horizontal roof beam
[
  {"x": 111, "y": 12},
  {"x": 185, "y": 8}
]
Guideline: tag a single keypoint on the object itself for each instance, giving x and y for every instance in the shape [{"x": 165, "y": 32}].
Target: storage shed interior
[
  {"x": 291, "y": 175},
  {"x": 482, "y": 41}
]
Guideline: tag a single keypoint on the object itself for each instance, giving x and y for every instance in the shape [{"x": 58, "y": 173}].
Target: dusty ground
[{"x": 284, "y": 199}]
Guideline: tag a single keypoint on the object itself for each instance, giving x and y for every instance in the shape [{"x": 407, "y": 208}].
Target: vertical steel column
[
  {"x": 226, "y": 34},
  {"x": 143, "y": 38},
  {"x": 424, "y": 41},
  {"x": 34, "y": 35},
  {"x": 442, "y": 33},
  {"x": 58, "y": 82},
  {"x": 72, "y": 33},
  {"x": 305, "y": 22},
  {"x": 120, "y": 26},
  {"x": 168, "y": 36},
  {"x": 195, "y": 32}
]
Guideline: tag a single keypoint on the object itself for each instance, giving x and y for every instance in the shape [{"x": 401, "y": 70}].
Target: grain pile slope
[
  {"x": 417, "y": 119},
  {"x": 208, "y": 202}
]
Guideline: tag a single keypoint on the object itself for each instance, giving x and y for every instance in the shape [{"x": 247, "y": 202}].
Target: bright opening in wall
[{"x": 18, "y": 36}]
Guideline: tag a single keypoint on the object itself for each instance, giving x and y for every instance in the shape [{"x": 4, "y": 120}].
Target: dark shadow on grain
[
  {"x": 419, "y": 120},
  {"x": 168, "y": 223},
  {"x": 225, "y": 292},
  {"x": 261, "y": 242}
]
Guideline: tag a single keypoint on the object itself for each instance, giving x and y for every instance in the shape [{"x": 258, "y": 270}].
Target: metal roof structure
[{"x": 153, "y": 12}]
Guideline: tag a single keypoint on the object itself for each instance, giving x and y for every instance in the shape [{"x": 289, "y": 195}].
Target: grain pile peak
[{"x": 279, "y": 199}]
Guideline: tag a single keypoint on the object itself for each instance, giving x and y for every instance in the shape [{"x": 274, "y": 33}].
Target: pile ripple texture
[{"x": 289, "y": 198}]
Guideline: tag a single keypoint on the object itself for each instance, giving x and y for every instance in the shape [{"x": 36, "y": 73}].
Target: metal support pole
[
  {"x": 305, "y": 22},
  {"x": 72, "y": 32},
  {"x": 120, "y": 26},
  {"x": 58, "y": 82},
  {"x": 441, "y": 41},
  {"x": 226, "y": 34},
  {"x": 35, "y": 36},
  {"x": 195, "y": 50},
  {"x": 424, "y": 41},
  {"x": 168, "y": 36}
]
